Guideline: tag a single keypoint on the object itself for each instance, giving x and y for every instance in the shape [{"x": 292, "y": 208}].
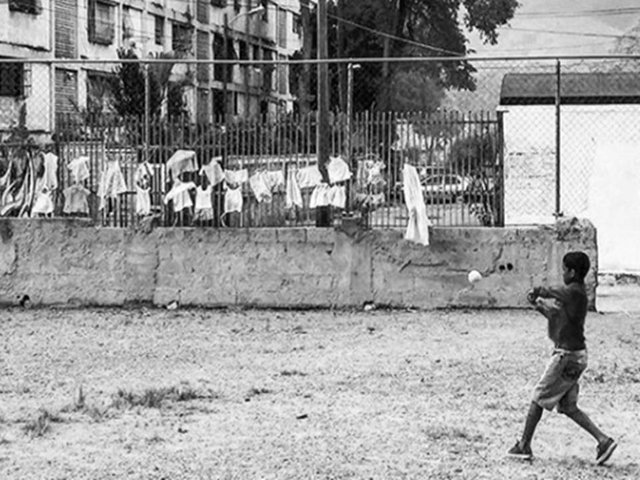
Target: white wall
[
  {"x": 21, "y": 32},
  {"x": 594, "y": 139}
]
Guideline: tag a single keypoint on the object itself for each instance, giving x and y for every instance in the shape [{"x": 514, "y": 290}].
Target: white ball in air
[{"x": 474, "y": 276}]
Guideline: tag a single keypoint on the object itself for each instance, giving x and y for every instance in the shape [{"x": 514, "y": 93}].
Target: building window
[
  {"x": 265, "y": 12},
  {"x": 11, "y": 79},
  {"x": 99, "y": 92},
  {"x": 159, "y": 30},
  {"x": 202, "y": 11},
  {"x": 296, "y": 24},
  {"x": 101, "y": 22},
  {"x": 219, "y": 53},
  {"x": 219, "y": 3},
  {"x": 181, "y": 38},
  {"x": 281, "y": 16},
  {"x": 33, "y": 7},
  {"x": 243, "y": 51},
  {"x": 236, "y": 5},
  {"x": 202, "y": 53},
  {"x": 127, "y": 25}
]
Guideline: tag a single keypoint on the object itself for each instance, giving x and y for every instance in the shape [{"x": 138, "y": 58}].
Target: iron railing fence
[{"x": 521, "y": 143}]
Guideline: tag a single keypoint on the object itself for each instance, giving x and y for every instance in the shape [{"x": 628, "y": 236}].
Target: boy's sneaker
[
  {"x": 604, "y": 450},
  {"x": 522, "y": 453}
]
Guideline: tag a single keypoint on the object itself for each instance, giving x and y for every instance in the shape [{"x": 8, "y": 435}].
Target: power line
[
  {"x": 578, "y": 34},
  {"x": 393, "y": 37},
  {"x": 582, "y": 13}
]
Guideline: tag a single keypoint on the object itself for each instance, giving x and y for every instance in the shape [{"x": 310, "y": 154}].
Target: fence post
[
  {"x": 147, "y": 113},
  {"x": 558, "y": 100},
  {"x": 499, "y": 181}
]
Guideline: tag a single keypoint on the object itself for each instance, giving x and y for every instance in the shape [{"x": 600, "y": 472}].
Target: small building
[{"x": 599, "y": 156}]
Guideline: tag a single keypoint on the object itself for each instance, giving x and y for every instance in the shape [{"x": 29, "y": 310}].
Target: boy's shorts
[{"x": 558, "y": 386}]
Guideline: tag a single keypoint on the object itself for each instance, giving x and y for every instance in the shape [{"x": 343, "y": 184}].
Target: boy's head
[{"x": 575, "y": 266}]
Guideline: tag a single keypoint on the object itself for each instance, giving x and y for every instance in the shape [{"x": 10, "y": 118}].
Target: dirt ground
[{"x": 233, "y": 394}]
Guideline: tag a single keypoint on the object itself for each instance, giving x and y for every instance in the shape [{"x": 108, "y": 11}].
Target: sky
[{"x": 588, "y": 26}]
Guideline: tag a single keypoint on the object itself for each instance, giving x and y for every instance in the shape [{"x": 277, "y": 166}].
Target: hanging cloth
[
  {"x": 111, "y": 183},
  {"x": 418, "y": 226}
]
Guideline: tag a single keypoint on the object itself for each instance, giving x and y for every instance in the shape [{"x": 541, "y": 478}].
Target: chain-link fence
[{"x": 235, "y": 143}]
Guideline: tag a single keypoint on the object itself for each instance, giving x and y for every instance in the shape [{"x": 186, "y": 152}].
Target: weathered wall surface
[{"x": 60, "y": 262}]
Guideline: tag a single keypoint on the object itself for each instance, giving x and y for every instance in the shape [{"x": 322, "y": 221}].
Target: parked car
[{"x": 445, "y": 187}]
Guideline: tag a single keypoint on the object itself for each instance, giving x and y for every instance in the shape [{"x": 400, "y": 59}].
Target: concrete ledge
[{"x": 66, "y": 261}]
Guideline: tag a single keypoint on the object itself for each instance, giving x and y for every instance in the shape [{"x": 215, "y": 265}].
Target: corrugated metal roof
[{"x": 582, "y": 88}]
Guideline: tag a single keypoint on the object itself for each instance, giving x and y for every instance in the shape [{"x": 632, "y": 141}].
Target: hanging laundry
[
  {"x": 50, "y": 171},
  {"x": 319, "y": 196},
  {"x": 275, "y": 180},
  {"x": 179, "y": 195},
  {"x": 111, "y": 183},
  {"x": 258, "y": 184},
  {"x": 76, "y": 199},
  {"x": 418, "y": 226},
  {"x": 79, "y": 169},
  {"x": 43, "y": 203},
  {"x": 293, "y": 195},
  {"x": 181, "y": 161},
  {"x": 213, "y": 171},
  {"x": 338, "y": 170},
  {"x": 142, "y": 178},
  {"x": 337, "y": 196},
  {"x": 204, "y": 207},
  {"x": 309, "y": 177},
  {"x": 233, "y": 200},
  {"x": 236, "y": 177}
]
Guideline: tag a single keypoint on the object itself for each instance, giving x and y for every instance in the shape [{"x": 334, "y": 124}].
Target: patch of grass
[
  {"x": 41, "y": 424},
  {"x": 292, "y": 373},
  {"x": 254, "y": 392},
  {"x": 157, "y": 396}
]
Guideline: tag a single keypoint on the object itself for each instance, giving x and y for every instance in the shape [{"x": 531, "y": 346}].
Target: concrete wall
[{"x": 68, "y": 262}]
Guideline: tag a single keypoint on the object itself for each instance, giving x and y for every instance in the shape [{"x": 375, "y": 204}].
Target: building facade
[{"x": 256, "y": 30}]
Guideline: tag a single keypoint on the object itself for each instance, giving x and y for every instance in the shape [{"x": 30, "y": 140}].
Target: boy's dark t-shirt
[{"x": 566, "y": 324}]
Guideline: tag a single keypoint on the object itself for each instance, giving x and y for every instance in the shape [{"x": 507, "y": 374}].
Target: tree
[
  {"x": 402, "y": 28},
  {"x": 129, "y": 88}
]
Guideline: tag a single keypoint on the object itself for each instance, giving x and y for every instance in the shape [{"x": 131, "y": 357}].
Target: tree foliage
[
  {"x": 408, "y": 28},
  {"x": 129, "y": 88}
]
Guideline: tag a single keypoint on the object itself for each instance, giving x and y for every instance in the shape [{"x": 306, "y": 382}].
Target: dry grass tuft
[
  {"x": 41, "y": 424},
  {"x": 156, "y": 397}
]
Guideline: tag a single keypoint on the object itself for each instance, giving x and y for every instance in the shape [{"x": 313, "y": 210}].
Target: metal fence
[{"x": 121, "y": 141}]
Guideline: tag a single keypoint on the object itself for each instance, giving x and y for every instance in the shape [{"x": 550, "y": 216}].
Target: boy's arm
[{"x": 560, "y": 293}]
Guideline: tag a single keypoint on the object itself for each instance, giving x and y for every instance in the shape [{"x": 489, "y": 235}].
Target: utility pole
[{"x": 322, "y": 137}]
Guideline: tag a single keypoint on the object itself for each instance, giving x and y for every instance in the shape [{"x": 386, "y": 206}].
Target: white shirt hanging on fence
[
  {"x": 79, "y": 169},
  {"x": 338, "y": 170},
  {"x": 204, "y": 207},
  {"x": 142, "y": 179},
  {"x": 337, "y": 196},
  {"x": 233, "y": 200},
  {"x": 320, "y": 196},
  {"x": 181, "y": 161},
  {"x": 179, "y": 195},
  {"x": 418, "y": 226},
  {"x": 236, "y": 177},
  {"x": 213, "y": 171},
  {"x": 264, "y": 183},
  {"x": 111, "y": 183},
  {"x": 43, "y": 204},
  {"x": 76, "y": 199},
  {"x": 309, "y": 177},
  {"x": 50, "y": 171},
  {"x": 293, "y": 195}
]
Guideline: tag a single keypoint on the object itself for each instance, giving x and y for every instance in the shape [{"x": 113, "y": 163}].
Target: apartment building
[{"x": 190, "y": 29}]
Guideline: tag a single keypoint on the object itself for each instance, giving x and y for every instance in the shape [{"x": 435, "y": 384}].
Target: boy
[{"x": 565, "y": 308}]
